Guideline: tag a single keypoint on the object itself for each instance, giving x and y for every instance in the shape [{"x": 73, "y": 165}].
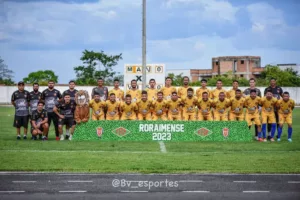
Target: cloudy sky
[{"x": 37, "y": 34}]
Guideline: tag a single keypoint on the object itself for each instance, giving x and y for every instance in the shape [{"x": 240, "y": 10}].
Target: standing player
[
  {"x": 204, "y": 108},
  {"x": 112, "y": 108},
  {"x": 251, "y": 104},
  {"x": 97, "y": 107},
  {"x": 285, "y": 109},
  {"x": 20, "y": 100},
  {"x": 39, "y": 120},
  {"x": 189, "y": 105},
  {"x": 134, "y": 92},
  {"x": 231, "y": 93},
  {"x": 65, "y": 111},
  {"x": 237, "y": 107},
  {"x": 35, "y": 97},
  {"x": 101, "y": 90},
  {"x": 152, "y": 91},
  {"x": 144, "y": 106},
  {"x": 119, "y": 94},
  {"x": 159, "y": 108},
  {"x": 174, "y": 107},
  {"x": 215, "y": 93},
  {"x": 51, "y": 97},
  {"x": 220, "y": 108},
  {"x": 182, "y": 91},
  {"x": 202, "y": 89},
  {"x": 168, "y": 89},
  {"x": 268, "y": 103},
  {"x": 128, "y": 109}
]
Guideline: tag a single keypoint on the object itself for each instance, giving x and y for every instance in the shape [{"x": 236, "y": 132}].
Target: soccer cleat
[
  {"x": 57, "y": 138},
  {"x": 62, "y": 137},
  {"x": 67, "y": 137},
  {"x": 278, "y": 139},
  {"x": 260, "y": 139},
  {"x": 269, "y": 137},
  {"x": 256, "y": 138},
  {"x": 44, "y": 138},
  {"x": 34, "y": 137},
  {"x": 265, "y": 140},
  {"x": 290, "y": 139},
  {"x": 70, "y": 137},
  {"x": 40, "y": 137},
  {"x": 24, "y": 137},
  {"x": 272, "y": 140},
  {"x": 18, "y": 137}
]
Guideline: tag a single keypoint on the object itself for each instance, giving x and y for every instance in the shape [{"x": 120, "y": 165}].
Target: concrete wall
[{"x": 6, "y": 91}]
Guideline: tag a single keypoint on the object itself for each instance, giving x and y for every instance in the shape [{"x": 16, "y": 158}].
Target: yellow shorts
[
  {"x": 205, "y": 117},
  {"x": 188, "y": 116},
  {"x": 112, "y": 117},
  {"x": 160, "y": 117},
  {"x": 285, "y": 118},
  {"x": 125, "y": 117},
  {"x": 268, "y": 117},
  {"x": 252, "y": 117},
  {"x": 97, "y": 117},
  {"x": 145, "y": 117},
  {"x": 174, "y": 117},
  {"x": 236, "y": 117},
  {"x": 220, "y": 117}
]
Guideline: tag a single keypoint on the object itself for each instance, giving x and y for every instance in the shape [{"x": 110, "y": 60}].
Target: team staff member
[
  {"x": 152, "y": 91},
  {"x": 134, "y": 92},
  {"x": 128, "y": 109},
  {"x": 35, "y": 97},
  {"x": 144, "y": 106},
  {"x": 119, "y": 94},
  {"x": 204, "y": 107},
  {"x": 236, "y": 112},
  {"x": 168, "y": 89},
  {"x": 220, "y": 108},
  {"x": 101, "y": 90},
  {"x": 174, "y": 107},
  {"x": 159, "y": 107},
  {"x": 189, "y": 106},
  {"x": 202, "y": 89},
  {"x": 20, "y": 100},
  {"x": 39, "y": 120},
  {"x": 112, "y": 108},
  {"x": 97, "y": 107},
  {"x": 51, "y": 97}
]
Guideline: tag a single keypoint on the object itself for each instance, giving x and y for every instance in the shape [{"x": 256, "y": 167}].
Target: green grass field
[{"x": 146, "y": 157}]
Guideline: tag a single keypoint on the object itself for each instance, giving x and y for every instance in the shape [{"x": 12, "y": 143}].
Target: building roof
[{"x": 235, "y": 57}]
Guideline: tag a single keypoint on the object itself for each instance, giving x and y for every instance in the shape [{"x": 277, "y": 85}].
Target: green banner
[{"x": 163, "y": 131}]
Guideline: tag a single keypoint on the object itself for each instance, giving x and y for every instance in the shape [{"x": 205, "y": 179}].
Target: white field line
[
  {"x": 162, "y": 147},
  {"x": 199, "y": 191},
  {"x": 190, "y": 181},
  {"x": 12, "y": 191},
  {"x": 296, "y": 182},
  {"x": 80, "y": 181},
  {"x": 244, "y": 181},
  {"x": 133, "y": 191},
  {"x": 73, "y": 191},
  {"x": 24, "y": 181},
  {"x": 256, "y": 191}
]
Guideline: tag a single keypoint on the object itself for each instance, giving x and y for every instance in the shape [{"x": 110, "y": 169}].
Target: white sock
[{"x": 67, "y": 132}]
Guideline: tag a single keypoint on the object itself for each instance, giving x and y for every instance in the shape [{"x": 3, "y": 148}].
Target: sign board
[{"x": 135, "y": 71}]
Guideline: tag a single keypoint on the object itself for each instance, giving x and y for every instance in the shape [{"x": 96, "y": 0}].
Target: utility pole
[{"x": 144, "y": 47}]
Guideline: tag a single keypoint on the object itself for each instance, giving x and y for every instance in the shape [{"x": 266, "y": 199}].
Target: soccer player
[
  {"x": 152, "y": 91},
  {"x": 204, "y": 107},
  {"x": 159, "y": 107},
  {"x": 168, "y": 89},
  {"x": 39, "y": 122},
  {"x": 220, "y": 107},
  {"x": 128, "y": 109},
  {"x": 134, "y": 92},
  {"x": 112, "y": 107},
  {"x": 65, "y": 111},
  {"x": 174, "y": 107},
  {"x": 119, "y": 94},
  {"x": 51, "y": 97},
  {"x": 144, "y": 106},
  {"x": 231, "y": 93},
  {"x": 215, "y": 93},
  {"x": 101, "y": 90},
  {"x": 202, "y": 89},
  {"x": 97, "y": 107},
  {"x": 285, "y": 108},
  {"x": 182, "y": 91},
  {"x": 20, "y": 100},
  {"x": 251, "y": 104},
  {"x": 268, "y": 116},
  {"x": 237, "y": 107},
  {"x": 189, "y": 106}
]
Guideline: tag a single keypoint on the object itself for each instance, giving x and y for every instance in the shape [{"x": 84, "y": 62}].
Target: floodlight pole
[{"x": 144, "y": 47}]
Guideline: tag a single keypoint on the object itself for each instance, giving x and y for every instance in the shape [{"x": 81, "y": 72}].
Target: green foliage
[
  {"x": 87, "y": 74},
  {"x": 5, "y": 74},
  {"x": 41, "y": 77},
  {"x": 177, "y": 80},
  {"x": 6, "y": 82}
]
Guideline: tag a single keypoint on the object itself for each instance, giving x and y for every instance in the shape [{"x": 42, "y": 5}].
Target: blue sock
[
  {"x": 290, "y": 131},
  {"x": 264, "y": 128},
  {"x": 259, "y": 134},
  {"x": 273, "y": 130},
  {"x": 279, "y": 132}
]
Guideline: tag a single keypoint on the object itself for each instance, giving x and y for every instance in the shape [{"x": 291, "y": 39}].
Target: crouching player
[
  {"x": 39, "y": 122},
  {"x": 189, "y": 105},
  {"x": 128, "y": 109},
  {"x": 267, "y": 114},
  {"x": 286, "y": 107},
  {"x": 112, "y": 107},
  {"x": 237, "y": 107},
  {"x": 251, "y": 104},
  {"x": 65, "y": 111},
  {"x": 97, "y": 106},
  {"x": 204, "y": 108},
  {"x": 174, "y": 107},
  {"x": 144, "y": 106},
  {"x": 159, "y": 108},
  {"x": 220, "y": 108}
]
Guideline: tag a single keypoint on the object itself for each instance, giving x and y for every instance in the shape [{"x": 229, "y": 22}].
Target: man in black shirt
[
  {"x": 39, "y": 121},
  {"x": 101, "y": 90},
  {"x": 277, "y": 93},
  {"x": 65, "y": 111},
  {"x": 20, "y": 100},
  {"x": 51, "y": 97},
  {"x": 35, "y": 97},
  {"x": 72, "y": 92}
]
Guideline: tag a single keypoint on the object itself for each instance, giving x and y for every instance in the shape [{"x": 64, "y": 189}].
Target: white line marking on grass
[
  {"x": 133, "y": 191},
  {"x": 80, "y": 181},
  {"x": 190, "y": 181},
  {"x": 256, "y": 191},
  {"x": 199, "y": 191},
  {"x": 12, "y": 191},
  {"x": 73, "y": 191},
  {"x": 293, "y": 181},
  {"x": 134, "y": 187},
  {"x": 162, "y": 147},
  {"x": 23, "y": 181},
  {"x": 244, "y": 181}
]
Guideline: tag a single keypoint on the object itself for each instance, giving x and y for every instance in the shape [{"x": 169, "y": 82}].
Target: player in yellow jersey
[
  {"x": 220, "y": 108},
  {"x": 267, "y": 114},
  {"x": 182, "y": 91},
  {"x": 231, "y": 93},
  {"x": 202, "y": 89},
  {"x": 97, "y": 107},
  {"x": 117, "y": 91},
  {"x": 251, "y": 104},
  {"x": 204, "y": 108},
  {"x": 159, "y": 107},
  {"x": 285, "y": 109},
  {"x": 144, "y": 106},
  {"x": 134, "y": 92},
  {"x": 237, "y": 106},
  {"x": 152, "y": 91},
  {"x": 112, "y": 107},
  {"x": 189, "y": 105},
  {"x": 128, "y": 109},
  {"x": 174, "y": 107},
  {"x": 167, "y": 90},
  {"x": 215, "y": 93}
]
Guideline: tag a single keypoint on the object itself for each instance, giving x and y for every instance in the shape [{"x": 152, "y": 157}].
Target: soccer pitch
[{"x": 147, "y": 157}]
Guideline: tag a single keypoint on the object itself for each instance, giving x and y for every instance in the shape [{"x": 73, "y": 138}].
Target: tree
[
  {"x": 5, "y": 74},
  {"x": 177, "y": 80},
  {"x": 41, "y": 77},
  {"x": 96, "y": 65}
]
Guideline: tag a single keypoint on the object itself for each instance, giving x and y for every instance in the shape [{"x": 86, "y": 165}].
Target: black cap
[{"x": 21, "y": 83}]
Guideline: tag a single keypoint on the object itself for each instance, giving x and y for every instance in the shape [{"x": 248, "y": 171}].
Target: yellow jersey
[
  {"x": 144, "y": 107},
  {"x": 167, "y": 91},
  {"x": 97, "y": 107},
  {"x": 285, "y": 107},
  {"x": 252, "y": 105},
  {"x": 231, "y": 93},
  {"x": 159, "y": 107},
  {"x": 189, "y": 104},
  {"x": 112, "y": 107},
  {"x": 237, "y": 105},
  {"x": 152, "y": 94},
  {"x": 205, "y": 106},
  {"x": 268, "y": 105},
  {"x": 221, "y": 106},
  {"x": 215, "y": 93},
  {"x": 174, "y": 106},
  {"x": 200, "y": 91},
  {"x": 118, "y": 92},
  {"x": 182, "y": 91},
  {"x": 135, "y": 95},
  {"x": 128, "y": 110}
]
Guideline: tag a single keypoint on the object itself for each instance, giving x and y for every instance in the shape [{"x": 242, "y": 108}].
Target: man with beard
[
  {"x": 189, "y": 106},
  {"x": 113, "y": 108},
  {"x": 35, "y": 97},
  {"x": 174, "y": 108},
  {"x": 128, "y": 109},
  {"x": 101, "y": 90},
  {"x": 51, "y": 97},
  {"x": 144, "y": 107},
  {"x": 20, "y": 100},
  {"x": 39, "y": 120},
  {"x": 220, "y": 108},
  {"x": 159, "y": 107},
  {"x": 205, "y": 105},
  {"x": 236, "y": 112},
  {"x": 119, "y": 94},
  {"x": 134, "y": 92},
  {"x": 152, "y": 91},
  {"x": 182, "y": 91}
]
